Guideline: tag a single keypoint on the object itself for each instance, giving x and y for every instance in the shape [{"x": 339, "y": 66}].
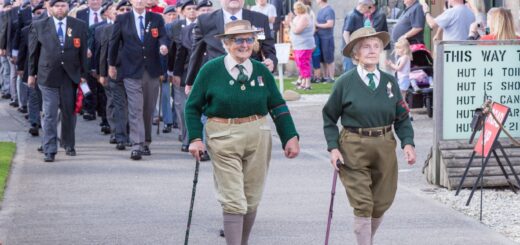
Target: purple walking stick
[{"x": 332, "y": 193}]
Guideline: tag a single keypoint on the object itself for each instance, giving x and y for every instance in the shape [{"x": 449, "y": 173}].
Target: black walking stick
[
  {"x": 195, "y": 180},
  {"x": 332, "y": 193},
  {"x": 160, "y": 103}
]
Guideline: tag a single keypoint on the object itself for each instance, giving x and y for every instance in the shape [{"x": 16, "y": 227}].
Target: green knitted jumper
[
  {"x": 360, "y": 107},
  {"x": 216, "y": 94}
]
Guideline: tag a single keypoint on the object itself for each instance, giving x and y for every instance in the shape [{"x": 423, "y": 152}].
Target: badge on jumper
[
  {"x": 69, "y": 32},
  {"x": 260, "y": 81},
  {"x": 243, "y": 87},
  {"x": 231, "y": 82},
  {"x": 252, "y": 83},
  {"x": 389, "y": 90}
]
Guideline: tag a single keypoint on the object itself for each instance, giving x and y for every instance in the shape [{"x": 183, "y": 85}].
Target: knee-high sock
[
  {"x": 376, "y": 222},
  {"x": 233, "y": 224},
  {"x": 249, "y": 220},
  {"x": 363, "y": 230}
]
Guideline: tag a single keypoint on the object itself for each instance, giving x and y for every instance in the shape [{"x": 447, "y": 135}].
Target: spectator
[
  {"x": 454, "y": 22},
  {"x": 410, "y": 24},
  {"x": 500, "y": 23},
  {"x": 268, "y": 10},
  {"x": 302, "y": 38},
  {"x": 325, "y": 20},
  {"x": 402, "y": 67},
  {"x": 353, "y": 22},
  {"x": 280, "y": 16}
]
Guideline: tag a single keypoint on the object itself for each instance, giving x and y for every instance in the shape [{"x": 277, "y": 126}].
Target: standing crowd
[{"x": 134, "y": 63}]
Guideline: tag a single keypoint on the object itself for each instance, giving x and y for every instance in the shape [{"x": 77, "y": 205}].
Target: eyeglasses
[{"x": 238, "y": 41}]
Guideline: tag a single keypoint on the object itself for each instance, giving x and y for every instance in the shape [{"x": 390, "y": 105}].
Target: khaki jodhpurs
[
  {"x": 240, "y": 154},
  {"x": 369, "y": 173}
]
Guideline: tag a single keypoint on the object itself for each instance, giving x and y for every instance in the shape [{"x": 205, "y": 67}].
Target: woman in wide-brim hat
[
  {"x": 236, "y": 93},
  {"x": 370, "y": 106}
]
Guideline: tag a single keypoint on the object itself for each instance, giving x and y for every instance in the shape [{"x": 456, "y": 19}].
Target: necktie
[
  {"x": 371, "y": 82},
  {"x": 141, "y": 28},
  {"x": 242, "y": 77},
  {"x": 96, "y": 20},
  {"x": 233, "y": 18},
  {"x": 61, "y": 37}
]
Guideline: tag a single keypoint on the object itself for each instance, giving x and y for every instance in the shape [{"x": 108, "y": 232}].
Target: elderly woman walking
[
  {"x": 370, "y": 106},
  {"x": 236, "y": 93}
]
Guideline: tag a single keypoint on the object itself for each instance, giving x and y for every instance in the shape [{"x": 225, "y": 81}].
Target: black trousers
[{"x": 96, "y": 101}]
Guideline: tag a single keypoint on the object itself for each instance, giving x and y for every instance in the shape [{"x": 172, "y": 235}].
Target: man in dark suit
[
  {"x": 140, "y": 39},
  {"x": 34, "y": 94},
  {"x": 8, "y": 44},
  {"x": 209, "y": 25},
  {"x": 58, "y": 58},
  {"x": 96, "y": 100},
  {"x": 118, "y": 117}
]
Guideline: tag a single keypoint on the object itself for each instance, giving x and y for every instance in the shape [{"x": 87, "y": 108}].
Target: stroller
[{"x": 420, "y": 93}]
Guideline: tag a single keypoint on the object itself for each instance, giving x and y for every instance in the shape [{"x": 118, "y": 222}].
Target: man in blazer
[
  {"x": 58, "y": 59},
  {"x": 140, "y": 39},
  {"x": 209, "y": 25}
]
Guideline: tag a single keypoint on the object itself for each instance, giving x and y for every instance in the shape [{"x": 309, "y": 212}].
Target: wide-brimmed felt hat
[
  {"x": 237, "y": 27},
  {"x": 362, "y": 33}
]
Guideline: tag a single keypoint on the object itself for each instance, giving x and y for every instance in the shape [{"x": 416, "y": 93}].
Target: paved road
[{"x": 102, "y": 197}]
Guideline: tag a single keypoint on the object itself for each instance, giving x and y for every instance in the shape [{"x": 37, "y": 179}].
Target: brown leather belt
[
  {"x": 239, "y": 120},
  {"x": 371, "y": 132}
]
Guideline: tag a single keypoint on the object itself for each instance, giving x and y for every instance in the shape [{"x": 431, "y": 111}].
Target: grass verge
[
  {"x": 317, "y": 88},
  {"x": 6, "y": 155}
]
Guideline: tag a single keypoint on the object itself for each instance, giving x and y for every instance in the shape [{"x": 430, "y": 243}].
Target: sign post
[{"x": 283, "y": 50}]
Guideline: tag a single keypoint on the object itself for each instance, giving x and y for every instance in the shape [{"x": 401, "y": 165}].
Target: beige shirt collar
[
  {"x": 231, "y": 63},
  {"x": 363, "y": 74}
]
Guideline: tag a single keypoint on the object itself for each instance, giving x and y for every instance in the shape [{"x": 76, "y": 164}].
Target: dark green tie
[
  {"x": 371, "y": 82},
  {"x": 242, "y": 77}
]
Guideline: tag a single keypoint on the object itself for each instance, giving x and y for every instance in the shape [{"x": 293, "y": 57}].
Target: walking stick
[
  {"x": 332, "y": 193},
  {"x": 160, "y": 103},
  {"x": 195, "y": 180}
]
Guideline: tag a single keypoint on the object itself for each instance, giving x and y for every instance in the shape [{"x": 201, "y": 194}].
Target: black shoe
[
  {"x": 185, "y": 148},
  {"x": 135, "y": 155},
  {"x": 112, "y": 139},
  {"x": 6, "y": 96},
  {"x": 204, "y": 157},
  {"x": 26, "y": 117},
  {"x": 175, "y": 125},
  {"x": 14, "y": 104},
  {"x": 89, "y": 117},
  {"x": 146, "y": 151},
  {"x": 167, "y": 129},
  {"x": 34, "y": 130},
  {"x": 49, "y": 157},
  {"x": 70, "y": 151},
  {"x": 22, "y": 109},
  {"x": 40, "y": 149},
  {"x": 120, "y": 146},
  {"x": 106, "y": 129}
]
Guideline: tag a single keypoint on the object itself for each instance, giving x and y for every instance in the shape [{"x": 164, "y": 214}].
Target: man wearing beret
[
  {"x": 209, "y": 25},
  {"x": 58, "y": 58},
  {"x": 118, "y": 114},
  {"x": 140, "y": 38}
]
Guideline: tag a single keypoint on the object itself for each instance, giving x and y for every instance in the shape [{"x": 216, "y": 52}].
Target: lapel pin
[
  {"x": 231, "y": 82},
  {"x": 69, "y": 32},
  {"x": 252, "y": 83},
  {"x": 243, "y": 87},
  {"x": 260, "y": 81}
]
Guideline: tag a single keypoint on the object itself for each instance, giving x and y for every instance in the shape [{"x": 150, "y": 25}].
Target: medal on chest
[
  {"x": 389, "y": 90},
  {"x": 260, "y": 81}
]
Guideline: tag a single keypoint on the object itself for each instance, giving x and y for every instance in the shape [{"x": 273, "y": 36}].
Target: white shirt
[
  {"x": 91, "y": 16},
  {"x": 363, "y": 74},
  {"x": 138, "y": 22},
  {"x": 268, "y": 10},
  {"x": 227, "y": 16},
  {"x": 63, "y": 26},
  {"x": 231, "y": 63}
]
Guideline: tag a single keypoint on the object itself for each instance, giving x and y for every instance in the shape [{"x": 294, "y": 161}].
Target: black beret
[
  {"x": 37, "y": 7},
  {"x": 123, "y": 3},
  {"x": 204, "y": 3},
  {"x": 187, "y": 3},
  {"x": 52, "y": 2},
  {"x": 106, "y": 6},
  {"x": 168, "y": 9},
  {"x": 7, "y": 3}
]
